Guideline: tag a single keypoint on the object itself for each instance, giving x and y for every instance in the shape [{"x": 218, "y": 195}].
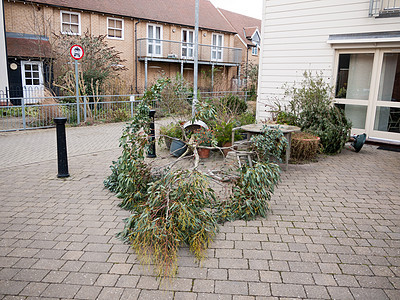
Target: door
[
  {"x": 187, "y": 44},
  {"x": 32, "y": 81},
  {"x": 386, "y": 123},
  {"x": 368, "y": 88}
]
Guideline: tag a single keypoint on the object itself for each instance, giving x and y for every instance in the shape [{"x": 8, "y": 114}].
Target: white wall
[
  {"x": 3, "y": 55},
  {"x": 295, "y": 34}
]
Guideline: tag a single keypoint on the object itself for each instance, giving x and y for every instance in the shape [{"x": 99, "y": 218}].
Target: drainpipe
[
  {"x": 247, "y": 65},
  {"x": 136, "y": 58}
]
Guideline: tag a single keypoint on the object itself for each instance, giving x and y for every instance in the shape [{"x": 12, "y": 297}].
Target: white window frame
[
  {"x": 372, "y": 102},
  {"x": 254, "y": 50},
  {"x": 187, "y": 45},
  {"x": 153, "y": 41},
  {"x": 79, "y": 22},
  {"x": 217, "y": 48},
  {"x": 114, "y": 28}
]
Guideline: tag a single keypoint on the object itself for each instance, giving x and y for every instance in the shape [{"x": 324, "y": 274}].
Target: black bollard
[
  {"x": 61, "y": 148},
  {"x": 151, "y": 153}
]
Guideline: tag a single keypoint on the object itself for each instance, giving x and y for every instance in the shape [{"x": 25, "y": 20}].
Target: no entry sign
[{"x": 76, "y": 52}]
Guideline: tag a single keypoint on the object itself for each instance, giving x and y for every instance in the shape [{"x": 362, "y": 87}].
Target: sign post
[{"x": 77, "y": 53}]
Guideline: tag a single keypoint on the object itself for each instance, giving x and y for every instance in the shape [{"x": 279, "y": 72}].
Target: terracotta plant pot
[{"x": 203, "y": 153}]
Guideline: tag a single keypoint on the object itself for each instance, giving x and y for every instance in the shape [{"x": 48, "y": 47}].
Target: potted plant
[
  {"x": 170, "y": 131},
  {"x": 204, "y": 138},
  {"x": 304, "y": 146},
  {"x": 223, "y": 135}
]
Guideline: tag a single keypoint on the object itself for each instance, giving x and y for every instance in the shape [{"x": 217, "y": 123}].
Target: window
[
  {"x": 254, "y": 50},
  {"x": 154, "y": 43},
  {"x": 115, "y": 28},
  {"x": 216, "y": 50},
  {"x": 70, "y": 23},
  {"x": 187, "y": 44}
]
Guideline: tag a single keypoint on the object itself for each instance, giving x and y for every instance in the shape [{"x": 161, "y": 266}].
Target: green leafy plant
[
  {"x": 130, "y": 174},
  {"x": 176, "y": 213},
  {"x": 223, "y": 133},
  {"x": 271, "y": 143},
  {"x": 251, "y": 193}
]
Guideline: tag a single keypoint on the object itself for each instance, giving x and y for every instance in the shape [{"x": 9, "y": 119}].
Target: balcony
[
  {"x": 179, "y": 52},
  {"x": 384, "y": 8}
]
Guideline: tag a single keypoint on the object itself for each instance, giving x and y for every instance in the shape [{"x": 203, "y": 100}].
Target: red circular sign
[{"x": 76, "y": 52}]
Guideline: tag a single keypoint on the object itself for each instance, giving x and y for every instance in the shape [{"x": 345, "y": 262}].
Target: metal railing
[
  {"x": 104, "y": 108},
  {"x": 172, "y": 50},
  {"x": 380, "y": 8}
]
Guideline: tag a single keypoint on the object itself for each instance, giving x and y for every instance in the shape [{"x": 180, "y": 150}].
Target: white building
[
  {"x": 3, "y": 54},
  {"x": 355, "y": 43}
]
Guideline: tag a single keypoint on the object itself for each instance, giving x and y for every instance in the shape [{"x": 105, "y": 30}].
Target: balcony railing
[
  {"x": 384, "y": 8},
  {"x": 179, "y": 51}
]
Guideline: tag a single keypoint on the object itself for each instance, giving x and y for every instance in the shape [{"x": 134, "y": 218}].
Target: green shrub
[
  {"x": 311, "y": 108},
  {"x": 235, "y": 103}
]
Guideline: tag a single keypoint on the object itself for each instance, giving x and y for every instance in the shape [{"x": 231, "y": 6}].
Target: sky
[{"x": 251, "y": 8}]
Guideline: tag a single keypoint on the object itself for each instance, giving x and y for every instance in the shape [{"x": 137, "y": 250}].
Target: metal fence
[{"x": 88, "y": 110}]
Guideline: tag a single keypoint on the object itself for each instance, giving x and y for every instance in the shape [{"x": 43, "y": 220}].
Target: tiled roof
[
  {"x": 243, "y": 25},
  {"x": 27, "y": 47},
  {"x": 181, "y": 12}
]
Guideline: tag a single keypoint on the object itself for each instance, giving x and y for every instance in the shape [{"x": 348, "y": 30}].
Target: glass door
[
  {"x": 387, "y": 109},
  {"x": 368, "y": 89}
]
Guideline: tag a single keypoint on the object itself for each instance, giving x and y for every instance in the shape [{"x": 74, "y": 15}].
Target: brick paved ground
[{"x": 334, "y": 231}]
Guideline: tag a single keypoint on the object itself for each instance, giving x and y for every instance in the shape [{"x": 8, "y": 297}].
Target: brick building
[{"x": 153, "y": 36}]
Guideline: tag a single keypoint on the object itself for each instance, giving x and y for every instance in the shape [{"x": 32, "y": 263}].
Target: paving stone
[
  {"x": 130, "y": 294},
  {"x": 287, "y": 290},
  {"x": 10, "y": 287},
  {"x": 270, "y": 276},
  {"x": 34, "y": 289},
  {"x": 346, "y": 280},
  {"x": 156, "y": 295},
  {"x": 316, "y": 292},
  {"x": 31, "y": 275},
  {"x": 340, "y": 293},
  {"x": 297, "y": 278},
  {"x": 205, "y": 296},
  {"x": 374, "y": 282},
  {"x": 185, "y": 296},
  {"x": 61, "y": 290},
  {"x": 324, "y": 279},
  {"x": 203, "y": 286},
  {"x": 217, "y": 274},
  {"x": 231, "y": 287},
  {"x": 243, "y": 275},
  {"x": 148, "y": 282},
  {"x": 88, "y": 292},
  {"x": 365, "y": 294},
  {"x": 227, "y": 263},
  {"x": 259, "y": 289},
  {"x": 81, "y": 278},
  {"x": 127, "y": 281},
  {"x": 110, "y": 293}
]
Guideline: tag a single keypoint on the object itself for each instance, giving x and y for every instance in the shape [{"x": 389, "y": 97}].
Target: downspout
[
  {"x": 6, "y": 53},
  {"x": 136, "y": 59},
  {"x": 247, "y": 64}
]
